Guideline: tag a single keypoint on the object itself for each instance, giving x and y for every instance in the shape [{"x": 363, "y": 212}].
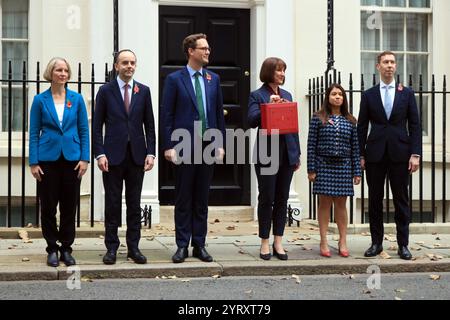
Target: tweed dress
[{"x": 333, "y": 154}]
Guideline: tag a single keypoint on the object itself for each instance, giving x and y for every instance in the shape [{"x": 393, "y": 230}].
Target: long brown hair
[{"x": 325, "y": 112}]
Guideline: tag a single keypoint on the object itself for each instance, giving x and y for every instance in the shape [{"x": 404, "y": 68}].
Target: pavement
[{"x": 235, "y": 248}]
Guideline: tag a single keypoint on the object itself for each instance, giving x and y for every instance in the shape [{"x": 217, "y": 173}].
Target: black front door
[{"x": 228, "y": 32}]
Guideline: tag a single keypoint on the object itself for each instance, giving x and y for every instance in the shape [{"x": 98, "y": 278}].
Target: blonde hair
[{"x": 51, "y": 66}]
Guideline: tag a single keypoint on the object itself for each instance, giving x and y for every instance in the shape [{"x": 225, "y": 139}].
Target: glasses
[{"x": 204, "y": 48}]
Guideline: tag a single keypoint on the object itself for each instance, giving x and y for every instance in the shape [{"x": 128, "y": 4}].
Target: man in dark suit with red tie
[
  {"x": 125, "y": 152},
  {"x": 393, "y": 148},
  {"x": 192, "y": 95}
]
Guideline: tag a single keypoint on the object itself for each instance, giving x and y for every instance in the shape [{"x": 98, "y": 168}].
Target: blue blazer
[
  {"x": 48, "y": 139},
  {"x": 401, "y": 134},
  {"x": 121, "y": 127},
  {"x": 262, "y": 95},
  {"x": 179, "y": 105}
]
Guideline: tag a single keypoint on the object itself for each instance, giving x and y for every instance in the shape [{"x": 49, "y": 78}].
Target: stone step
[{"x": 231, "y": 213}]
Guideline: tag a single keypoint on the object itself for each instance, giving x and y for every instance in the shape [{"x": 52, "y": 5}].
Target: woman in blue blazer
[
  {"x": 59, "y": 157},
  {"x": 273, "y": 188},
  {"x": 333, "y": 163}
]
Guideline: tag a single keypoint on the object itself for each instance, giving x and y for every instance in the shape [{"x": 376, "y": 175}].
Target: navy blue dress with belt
[{"x": 333, "y": 154}]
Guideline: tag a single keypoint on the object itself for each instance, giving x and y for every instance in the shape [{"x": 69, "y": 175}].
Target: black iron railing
[{"x": 435, "y": 110}]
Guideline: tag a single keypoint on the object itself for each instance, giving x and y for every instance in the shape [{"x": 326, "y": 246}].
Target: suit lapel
[
  {"x": 68, "y": 106},
  {"x": 380, "y": 102},
  {"x": 50, "y": 106},
  {"x": 188, "y": 84},
  {"x": 397, "y": 98},
  {"x": 208, "y": 87},
  {"x": 116, "y": 92}
]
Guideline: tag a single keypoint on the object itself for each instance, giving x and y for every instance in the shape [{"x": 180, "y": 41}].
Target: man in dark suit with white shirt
[
  {"x": 125, "y": 153},
  {"x": 392, "y": 148}
]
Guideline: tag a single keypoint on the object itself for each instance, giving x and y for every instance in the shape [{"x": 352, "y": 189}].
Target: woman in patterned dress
[{"x": 333, "y": 163}]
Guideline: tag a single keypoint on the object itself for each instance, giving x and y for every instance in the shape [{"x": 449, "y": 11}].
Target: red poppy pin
[
  {"x": 400, "y": 87},
  {"x": 331, "y": 122},
  {"x": 69, "y": 104},
  {"x": 136, "y": 89},
  {"x": 208, "y": 77}
]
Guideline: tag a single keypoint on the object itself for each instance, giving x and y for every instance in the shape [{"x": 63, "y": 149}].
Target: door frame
[{"x": 262, "y": 13}]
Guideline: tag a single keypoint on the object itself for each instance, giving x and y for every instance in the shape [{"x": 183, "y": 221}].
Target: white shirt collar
[
  {"x": 192, "y": 72},
  {"x": 122, "y": 83},
  {"x": 390, "y": 85}
]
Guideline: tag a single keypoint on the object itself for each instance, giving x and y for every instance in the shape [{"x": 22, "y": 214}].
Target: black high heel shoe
[{"x": 281, "y": 256}]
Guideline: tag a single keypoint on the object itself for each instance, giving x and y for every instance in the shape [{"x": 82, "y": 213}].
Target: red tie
[{"x": 126, "y": 98}]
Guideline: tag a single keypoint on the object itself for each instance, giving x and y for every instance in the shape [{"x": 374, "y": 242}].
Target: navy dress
[{"x": 333, "y": 154}]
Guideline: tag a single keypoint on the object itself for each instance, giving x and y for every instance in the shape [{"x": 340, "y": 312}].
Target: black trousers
[
  {"x": 133, "y": 175},
  {"x": 191, "y": 203},
  {"x": 59, "y": 185},
  {"x": 274, "y": 195},
  {"x": 398, "y": 176}
]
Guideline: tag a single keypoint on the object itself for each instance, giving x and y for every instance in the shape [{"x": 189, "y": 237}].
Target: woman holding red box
[{"x": 273, "y": 188}]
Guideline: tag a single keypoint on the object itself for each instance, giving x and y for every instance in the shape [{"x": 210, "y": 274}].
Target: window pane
[
  {"x": 15, "y": 19},
  {"x": 371, "y": 3},
  {"x": 370, "y": 32},
  {"x": 368, "y": 68},
  {"x": 417, "y": 26},
  {"x": 17, "y": 52},
  {"x": 419, "y": 3},
  {"x": 393, "y": 31},
  {"x": 418, "y": 65},
  {"x": 395, "y": 3},
  {"x": 401, "y": 68},
  {"x": 16, "y": 107}
]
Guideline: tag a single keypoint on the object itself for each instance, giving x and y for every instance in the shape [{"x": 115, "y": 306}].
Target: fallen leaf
[
  {"x": 151, "y": 238},
  {"x": 385, "y": 255},
  {"x": 241, "y": 251},
  {"x": 123, "y": 245},
  {"x": 400, "y": 290},
  {"x": 27, "y": 241},
  {"x": 163, "y": 277},
  {"x": 236, "y": 221},
  {"x": 172, "y": 277},
  {"x": 231, "y": 228},
  {"x": 438, "y": 239},
  {"x": 420, "y": 242},
  {"x": 439, "y": 256},
  {"x": 25, "y": 259},
  {"x": 86, "y": 279},
  {"x": 335, "y": 238},
  {"x": 367, "y": 291},
  {"x": 216, "y": 221},
  {"x": 297, "y": 278},
  {"x": 185, "y": 280},
  {"x": 295, "y": 231},
  {"x": 416, "y": 248},
  {"x": 398, "y": 299},
  {"x": 434, "y": 233},
  {"x": 437, "y": 245},
  {"x": 306, "y": 248},
  {"x": 390, "y": 238},
  {"x": 249, "y": 291},
  {"x": 23, "y": 234},
  {"x": 435, "y": 277},
  {"x": 351, "y": 277},
  {"x": 101, "y": 237},
  {"x": 29, "y": 225},
  {"x": 216, "y": 276},
  {"x": 255, "y": 233},
  {"x": 304, "y": 238},
  {"x": 393, "y": 248},
  {"x": 365, "y": 234}
]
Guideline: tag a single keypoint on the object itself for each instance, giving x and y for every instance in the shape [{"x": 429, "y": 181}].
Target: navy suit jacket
[
  {"x": 262, "y": 95},
  {"x": 121, "y": 127},
  {"x": 179, "y": 105},
  {"x": 401, "y": 135},
  {"x": 48, "y": 139}
]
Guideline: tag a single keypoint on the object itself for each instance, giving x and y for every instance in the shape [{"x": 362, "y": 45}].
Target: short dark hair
[
  {"x": 268, "y": 68},
  {"x": 385, "y": 53},
  {"x": 190, "y": 42},
  {"x": 116, "y": 56}
]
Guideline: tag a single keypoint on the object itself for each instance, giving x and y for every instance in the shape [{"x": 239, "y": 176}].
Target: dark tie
[
  {"x": 198, "y": 94},
  {"x": 126, "y": 98}
]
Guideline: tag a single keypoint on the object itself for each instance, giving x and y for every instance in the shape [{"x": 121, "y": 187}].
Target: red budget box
[{"x": 279, "y": 116}]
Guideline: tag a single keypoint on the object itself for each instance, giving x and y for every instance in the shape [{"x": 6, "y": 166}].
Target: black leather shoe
[
  {"x": 52, "y": 259},
  {"x": 374, "y": 250},
  {"x": 67, "y": 258},
  {"x": 281, "y": 256},
  {"x": 202, "y": 254},
  {"x": 110, "y": 257},
  {"x": 404, "y": 253},
  {"x": 137, "y": 256},
  {"x": 180, "y": 255},
  {"x": 265, "y": 256}
]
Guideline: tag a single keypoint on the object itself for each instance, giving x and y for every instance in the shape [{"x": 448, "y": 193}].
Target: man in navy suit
[
  {"x": 192, "y": 95},
  {"x": 393, "y": 148},
  {"x": 125, "y": 153}
]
